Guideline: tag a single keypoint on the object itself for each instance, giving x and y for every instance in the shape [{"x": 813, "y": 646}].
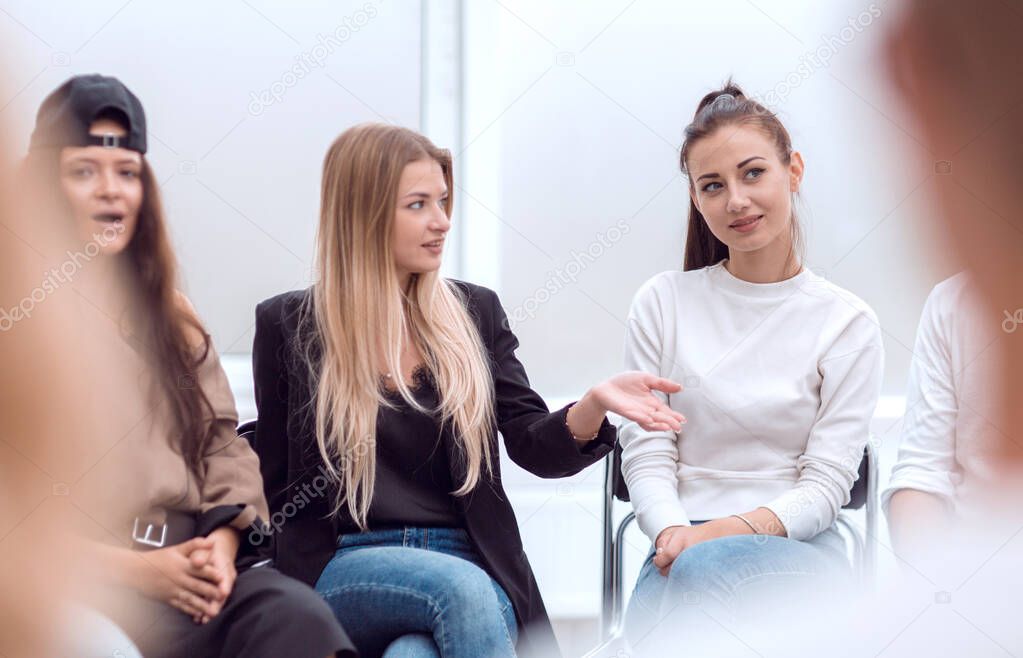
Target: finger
[
  {"x": 225, "y": 587},
  {"x": 667, "y": 554},
  {"x": 227, "y": 577},
  {"x": 222, "y": 564},
  {"x": 666, "y": 419},
  {"x": 200, "y": 588},
  {"x": 198, "y": 542},
  {"x": 207, "y": 572},
  {"x": 644, "y": 420},
  {"x": 200, "y": 604},
  {"x": 179, "y": 604},
  {"x": 200, "y": 557},
  {"x": 667, "y": 423},
  {"x": 675, "y": 423},
  {"x": 653, "y": 426},
  {"x": 647, "y": 421},
  {"x": 664, "y": 555},
  {"x": 194, "y": 544},
  {"x": 662, "y": 384},
  {"x": 665, "y": 409},
  {"x": 657, "y": 413},
  {"x": 639, "y": 413},
  {"x": 662, "y": 561}
]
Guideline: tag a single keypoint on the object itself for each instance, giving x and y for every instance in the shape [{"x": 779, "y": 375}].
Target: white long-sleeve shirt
[
  {"x": 948, "y": 441},
  {"x": 781, "y": 380}
]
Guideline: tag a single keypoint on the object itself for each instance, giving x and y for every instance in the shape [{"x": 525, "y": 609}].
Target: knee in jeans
[
  {"x": 414, "y": 645},
  {"x": 471, "y": 590},
  {"x": 712, "y": 563}
]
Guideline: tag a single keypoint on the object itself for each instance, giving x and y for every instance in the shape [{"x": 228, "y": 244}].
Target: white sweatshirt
[
  {"x": 948, "y": 443},
  {"x": 781, "y": 380}
]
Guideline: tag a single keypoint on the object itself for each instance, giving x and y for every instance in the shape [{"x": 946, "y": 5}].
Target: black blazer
[{"x": 304, "y": 534}]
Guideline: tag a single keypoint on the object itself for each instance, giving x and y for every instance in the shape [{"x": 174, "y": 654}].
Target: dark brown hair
[
  {"x": 724, "y": 107},
  {"x": 164, "y": 322}
]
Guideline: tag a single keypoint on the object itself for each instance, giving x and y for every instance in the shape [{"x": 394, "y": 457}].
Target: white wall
[
  {"x": 583, "y": 106},
  {"x": 240, "y": 176}
]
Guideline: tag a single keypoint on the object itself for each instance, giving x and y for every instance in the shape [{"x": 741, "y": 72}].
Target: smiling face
[
  {"x": 421, "y": 221},
  {"x": 103, "y": 186},
  {"x": 743, "y": 189}
]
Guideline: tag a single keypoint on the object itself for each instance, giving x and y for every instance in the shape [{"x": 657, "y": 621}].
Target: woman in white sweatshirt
[{"x": 782, "y": 371}]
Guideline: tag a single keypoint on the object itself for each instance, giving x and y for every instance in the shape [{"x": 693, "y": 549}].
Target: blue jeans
[
  {"x": 418, "y": 592},
  {"x": 720, "y": 593}
]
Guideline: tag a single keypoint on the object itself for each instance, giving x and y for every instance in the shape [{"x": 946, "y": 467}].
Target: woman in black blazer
[{"x": 407, "y": 497}]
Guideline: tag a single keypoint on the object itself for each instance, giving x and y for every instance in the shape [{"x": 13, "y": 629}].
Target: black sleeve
[
  {"x": 536, "y": 440},
  {"x": 269, "y": 374}
]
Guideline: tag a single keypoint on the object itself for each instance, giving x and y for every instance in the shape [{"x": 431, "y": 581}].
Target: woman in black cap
[{"x": 173, "y": 500}]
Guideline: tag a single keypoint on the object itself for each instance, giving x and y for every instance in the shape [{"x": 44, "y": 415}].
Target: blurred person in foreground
[
  {"x": 959, "y": 68},
  {"x": 38, "y": 372},
  {"x": 168, "y": 498},
  {"x": 954, "y": 499}
]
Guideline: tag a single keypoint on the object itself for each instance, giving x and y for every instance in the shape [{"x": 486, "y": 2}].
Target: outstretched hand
[{"x": 630, "y": 395}]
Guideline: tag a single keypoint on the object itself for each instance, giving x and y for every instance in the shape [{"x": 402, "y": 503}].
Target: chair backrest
[
  {"x": 857, "y": 497},
  {"x": 618, "y": 488},
  {"x": 247, "y": 430}
]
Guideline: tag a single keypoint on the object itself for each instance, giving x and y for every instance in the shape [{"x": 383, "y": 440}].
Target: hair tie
[{"x": 724, "y": 97}]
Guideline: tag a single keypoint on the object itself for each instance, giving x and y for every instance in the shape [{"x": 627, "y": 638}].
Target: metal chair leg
[
  {"x": 618, "y": 608},
  {"x": 608, "y": 567},
  {"x": 856, "y": 548},
  {"x": 870, "y": 541}
]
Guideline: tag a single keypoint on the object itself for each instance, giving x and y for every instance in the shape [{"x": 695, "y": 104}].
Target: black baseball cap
[{"x": 67, "y": 113}]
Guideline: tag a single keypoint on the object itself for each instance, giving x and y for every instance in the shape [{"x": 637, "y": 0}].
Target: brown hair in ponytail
[{"x": 725, "y": 107}]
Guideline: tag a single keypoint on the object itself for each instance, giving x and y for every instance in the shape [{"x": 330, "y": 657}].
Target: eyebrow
[
  {"x": 738, "y": 166},
  {"x": 422, "y": 195},
  {"x": 83, "y": 158}
]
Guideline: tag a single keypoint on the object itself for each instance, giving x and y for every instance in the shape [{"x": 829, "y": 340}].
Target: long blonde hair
[{"x": 359, "y": 309}]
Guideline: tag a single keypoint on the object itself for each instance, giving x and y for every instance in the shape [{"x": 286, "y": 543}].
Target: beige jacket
[{"x": 136, "y": 472}]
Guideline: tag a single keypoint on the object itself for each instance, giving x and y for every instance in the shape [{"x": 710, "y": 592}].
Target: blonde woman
[{"x": 381, "y": 390}]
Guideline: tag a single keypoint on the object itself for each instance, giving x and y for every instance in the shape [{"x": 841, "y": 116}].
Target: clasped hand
[{"x": 196, "y": 576}]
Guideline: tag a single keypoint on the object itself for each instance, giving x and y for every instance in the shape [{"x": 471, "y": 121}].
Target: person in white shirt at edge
[
  {"x": 782, "y": 371},
  {"x": 948, "y": 450}
]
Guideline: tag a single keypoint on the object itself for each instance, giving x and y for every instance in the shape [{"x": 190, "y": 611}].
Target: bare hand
[
  {"x": 220, "y": 557},
  {"x": 170, "y": 575},
  {"x": 670, "y": 544},
  {"x": 630, "y": 394}
]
